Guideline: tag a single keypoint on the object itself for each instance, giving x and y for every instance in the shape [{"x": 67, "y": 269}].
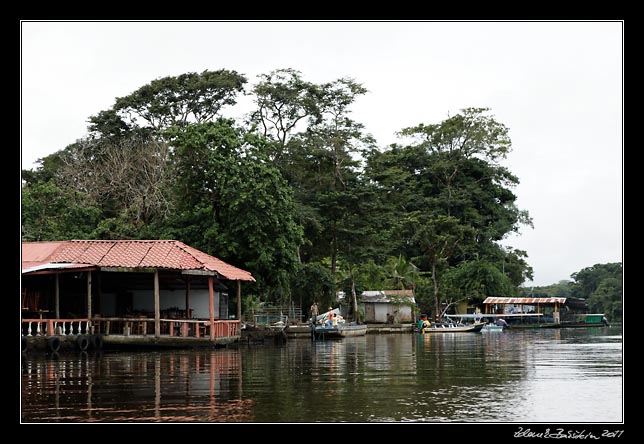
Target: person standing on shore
[{"x": 314, "y": 312}]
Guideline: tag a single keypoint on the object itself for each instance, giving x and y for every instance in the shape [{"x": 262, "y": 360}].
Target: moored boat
[
  {"x": 489, "y": 327},
  {"x": 340, "y": 331},
  {"x": 454, "y": 328}
]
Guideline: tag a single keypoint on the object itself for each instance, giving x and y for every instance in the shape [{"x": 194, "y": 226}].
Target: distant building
[{"x": 376, "y": 305}]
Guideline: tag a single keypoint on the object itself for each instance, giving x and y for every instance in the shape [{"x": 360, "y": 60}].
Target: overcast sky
[{"x": 556, "y": 85}]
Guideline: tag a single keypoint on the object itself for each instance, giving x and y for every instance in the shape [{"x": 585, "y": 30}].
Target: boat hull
[
  {"x": 492, "y": 327},
  {"x": 472, "y": 328},
  {"x": 341, "y": 331}
]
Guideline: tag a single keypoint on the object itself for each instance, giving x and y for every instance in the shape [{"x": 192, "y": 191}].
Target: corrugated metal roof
[
  {"x": 38, "y": 251},
  {"x": 384, "y": 296},
  {"x": 31, "y": 267},
  {"x": 524, "y": 301},
  {"x": 169, "y": 254}
]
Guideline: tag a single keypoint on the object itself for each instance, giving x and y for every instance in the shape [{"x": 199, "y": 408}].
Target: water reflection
[
  {"x": 138, "y": 387},
  {"x": 553, "y": 376}
]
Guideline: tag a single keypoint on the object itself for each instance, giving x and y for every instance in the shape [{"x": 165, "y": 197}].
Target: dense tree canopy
[
  {"x": 452, "y": 203},
  {"x": 299, "y": 194},
  {"x": 170, "y": 101},
  {"x": 231, "y": 201}
]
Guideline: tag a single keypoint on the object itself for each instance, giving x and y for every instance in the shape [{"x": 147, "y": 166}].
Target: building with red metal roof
[
  {"x": 38, "y": 257},
  {"x": 105, "y": 283}
]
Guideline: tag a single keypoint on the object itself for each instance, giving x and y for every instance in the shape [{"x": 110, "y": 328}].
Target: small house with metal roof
[
  {"x": 387, "y": 306},
  {"x": 140, "y": 292}
]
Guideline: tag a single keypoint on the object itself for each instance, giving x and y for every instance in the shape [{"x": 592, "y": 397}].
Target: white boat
[
  {"x": 343, "y": 330},
  {"x": 492, "y": 327},
  {"x": 454, "y": 328}
]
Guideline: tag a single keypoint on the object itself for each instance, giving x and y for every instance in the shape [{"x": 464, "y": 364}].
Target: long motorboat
[
  {"x": 453, "y": 327},
  {"x": 343, "y": 330}
]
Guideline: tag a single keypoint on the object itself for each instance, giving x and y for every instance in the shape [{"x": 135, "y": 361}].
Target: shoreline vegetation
[{"x": 300, "y": 194}]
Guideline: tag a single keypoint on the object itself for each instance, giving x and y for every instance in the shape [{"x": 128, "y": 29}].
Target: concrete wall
[{"x": 402, "y": 313}]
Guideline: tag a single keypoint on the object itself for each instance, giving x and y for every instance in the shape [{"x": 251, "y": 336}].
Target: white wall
[{"x": 402, "y": 313}]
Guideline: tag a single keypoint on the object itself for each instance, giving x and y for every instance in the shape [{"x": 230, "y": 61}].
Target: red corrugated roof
[
  {"x": 525, "y": 301},
  {"x": 38, "y": 251},
  {"x": 169, "y": 254}
]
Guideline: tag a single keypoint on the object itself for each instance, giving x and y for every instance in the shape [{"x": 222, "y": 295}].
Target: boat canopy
[
  {"x": 493, "y": 316},
  {"x": 574, "y": 303}
]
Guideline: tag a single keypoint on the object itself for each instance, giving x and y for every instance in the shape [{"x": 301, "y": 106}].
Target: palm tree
[{"x": 401, "y": 274}]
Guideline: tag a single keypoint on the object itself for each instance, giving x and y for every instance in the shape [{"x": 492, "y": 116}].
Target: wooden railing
[
  {"x": 52, "y": 327},
  {"x": 187, "y": 328}
]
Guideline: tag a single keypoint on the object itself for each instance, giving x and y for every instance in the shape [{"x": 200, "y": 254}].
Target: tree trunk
[
  {"x": 354, "y": 298},
  {"x": 334, "y": 251},
  {"x": 436, "y": 299}
]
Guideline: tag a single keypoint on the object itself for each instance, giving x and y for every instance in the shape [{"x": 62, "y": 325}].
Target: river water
[{"x": 539, "y": 376}]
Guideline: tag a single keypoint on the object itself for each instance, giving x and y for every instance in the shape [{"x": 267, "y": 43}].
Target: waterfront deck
[{"x": 116, "y": 332}]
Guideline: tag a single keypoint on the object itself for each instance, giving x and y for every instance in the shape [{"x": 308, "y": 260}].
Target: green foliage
[
  {"x": 477, "y": 280},
  {"x": 52, "y": 213},
  {"x": 299, "y": 195},
  {"x": 171, "y": 101},
  {"x": 370, "y": 276},
  {"x": 400, "y": 273},
  {"x": 250, "y": 304},
  {"x": 561, "y": 289},
  {"x": 600, "y": 285},
  {"x": 283, "y": 99},
  {"x": 233, "y": 203},
  {"x": 424, "y": 294},
  {"x": 313, "y": 282}
]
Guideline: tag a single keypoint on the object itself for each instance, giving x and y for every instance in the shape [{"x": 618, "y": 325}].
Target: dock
[{"x": 389, "y": 328}]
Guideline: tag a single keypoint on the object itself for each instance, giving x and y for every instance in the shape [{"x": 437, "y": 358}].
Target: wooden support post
[
  {"x": 184, "y": 329},
  {"x": 211, "y": 306},
  {"x": 239, "y": 301},
  {"x": 157, "y": 311},
  {"x": 57, "y": 293},
  {"x": 89, "y": 295},
  {"x": 97, "y": 292},
  {"x": 188, "y": 297}
]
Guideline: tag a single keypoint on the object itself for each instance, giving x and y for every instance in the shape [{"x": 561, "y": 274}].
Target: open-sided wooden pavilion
[{"x": 141, "y": 292}]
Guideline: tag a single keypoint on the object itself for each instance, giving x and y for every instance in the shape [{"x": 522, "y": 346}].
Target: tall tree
[
  {"x": 170, "y": 101},
  {"x": 440, "y": 239},
  {"x": 284, "y": 100},
  {"x": 130, "y": 178},
  {"x": 231, "y": 201},
  {"x": 451, "y": 170}
]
